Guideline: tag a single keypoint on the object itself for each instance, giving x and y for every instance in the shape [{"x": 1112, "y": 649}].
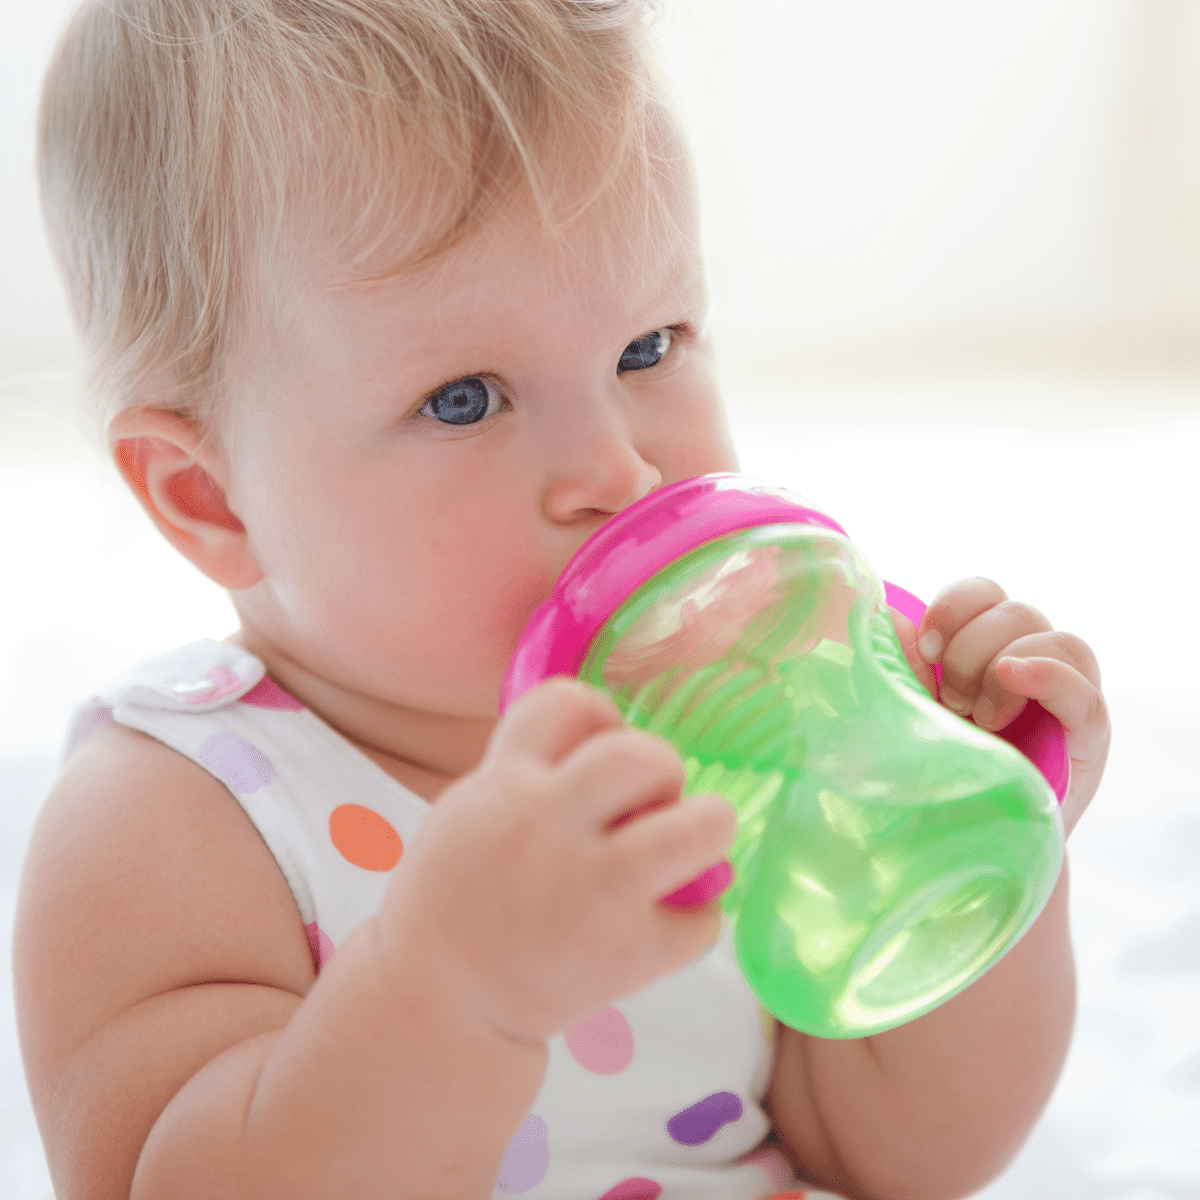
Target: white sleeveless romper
[{"x": 657, "y": 1097}]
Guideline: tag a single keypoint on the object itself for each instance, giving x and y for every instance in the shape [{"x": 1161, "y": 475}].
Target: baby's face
[{"x": 416, "y": 462}]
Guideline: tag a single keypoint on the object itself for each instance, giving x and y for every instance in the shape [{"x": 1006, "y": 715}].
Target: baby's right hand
[{"x": 529, "y": 887}]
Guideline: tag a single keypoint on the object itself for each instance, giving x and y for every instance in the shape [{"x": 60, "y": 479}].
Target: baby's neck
[{"x": 388, "y": 735}]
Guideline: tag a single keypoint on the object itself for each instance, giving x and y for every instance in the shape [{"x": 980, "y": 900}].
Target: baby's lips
[{"x": 703, "y": 888}]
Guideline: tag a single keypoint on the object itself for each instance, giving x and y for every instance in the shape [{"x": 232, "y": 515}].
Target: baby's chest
[{"x": 666, "y": 1084}]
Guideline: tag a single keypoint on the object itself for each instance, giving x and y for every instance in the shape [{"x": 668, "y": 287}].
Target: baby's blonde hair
[{"x": 173, "y": 135}]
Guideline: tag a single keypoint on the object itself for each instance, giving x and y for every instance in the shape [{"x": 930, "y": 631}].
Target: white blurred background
[{"x": 955, "y": 257}]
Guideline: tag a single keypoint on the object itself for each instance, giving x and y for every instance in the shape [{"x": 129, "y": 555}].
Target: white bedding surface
[{"x": 1091, "y": 520}]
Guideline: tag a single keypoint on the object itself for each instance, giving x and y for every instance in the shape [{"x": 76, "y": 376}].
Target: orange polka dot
[{"x": 364, "y": 838}]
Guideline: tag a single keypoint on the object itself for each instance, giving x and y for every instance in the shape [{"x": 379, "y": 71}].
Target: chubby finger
[
  {"x": 618, "y": 775},
  {"x": 906, "y": 633},
  {"x": 997, "y": 705},
  {"x": 978, "y": 644},
  {"x": 951, "y": 609},
  {"x": 552, "y": 719},
  {"x": 1068, "y": 694},
  {"x": 672, "y": 846}
]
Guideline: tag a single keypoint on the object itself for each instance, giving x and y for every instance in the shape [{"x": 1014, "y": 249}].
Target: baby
[{"x": 390, "y": 305}]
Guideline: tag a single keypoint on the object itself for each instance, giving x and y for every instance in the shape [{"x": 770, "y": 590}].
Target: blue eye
[
  {"x": 645, "y": 352},
  {"x": 463, "y": 402}
]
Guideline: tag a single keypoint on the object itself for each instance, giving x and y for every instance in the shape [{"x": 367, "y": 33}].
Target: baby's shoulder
[
  {"x": 130, "y": 809},
  {"x": 144, "y": 875}
]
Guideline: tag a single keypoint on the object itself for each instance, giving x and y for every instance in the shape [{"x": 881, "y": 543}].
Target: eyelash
[{"x": 684, "y": 331}]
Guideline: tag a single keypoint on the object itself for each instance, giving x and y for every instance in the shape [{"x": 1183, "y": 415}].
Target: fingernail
[
  {"x": 951, "y": 699},
  {"x": 1018, "y": 666},
  {"x": 930, "y": 645},
  {"x": 984, "y": 713}
]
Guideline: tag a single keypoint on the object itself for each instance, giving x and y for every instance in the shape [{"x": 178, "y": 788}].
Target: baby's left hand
[{"x": 996, "y": 654}]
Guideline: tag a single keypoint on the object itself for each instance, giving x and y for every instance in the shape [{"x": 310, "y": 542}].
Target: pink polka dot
[
  {"x": 227, "y": 682},
  {"x": 603, "y": 1044},
  {"x": 634, "y": 1189},
  {"x": 239, "y": 765},
  {"x": 772, "y": 1163},
  {"x": 268, "y": 694},
  {"x": 320, "y": 944}
]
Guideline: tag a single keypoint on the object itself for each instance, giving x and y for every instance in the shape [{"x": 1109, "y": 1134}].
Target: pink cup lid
[
  {"x": 627, "y": 551},
  {"x": 642, "y": 539}
]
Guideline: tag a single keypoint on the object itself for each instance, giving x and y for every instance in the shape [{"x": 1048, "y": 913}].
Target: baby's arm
[
  {"x": 145, "y": 885},
  {"x": 935, "y": 1109},
  {"x": 175, "y": 1040}
]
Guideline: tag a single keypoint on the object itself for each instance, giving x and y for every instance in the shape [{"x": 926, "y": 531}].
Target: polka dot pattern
[
  {"x": 634, "y": 1189},
  {"x": 773, "y": 1165},
  {"x": 242, "y": 767},
  {"x": 320, "y": 945},
  {"x": 95, "y": 720},
  {"x": 364, "y": 838},
  {"x": 268, "y": 694},
  {"x": 343, "y": 853},
  {"x": 527, "y": 1158},
  {"x": 701, "y": 1122},
  {"x": 603, "y": 1044}
]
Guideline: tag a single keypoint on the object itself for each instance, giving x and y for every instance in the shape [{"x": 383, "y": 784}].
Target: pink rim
[
  {"x": 625, "y": 552},
  {"x": 641, "y": 539}
]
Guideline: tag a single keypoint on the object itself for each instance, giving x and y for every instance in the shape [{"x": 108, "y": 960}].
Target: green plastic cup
[{"x": 888, "y": 852}]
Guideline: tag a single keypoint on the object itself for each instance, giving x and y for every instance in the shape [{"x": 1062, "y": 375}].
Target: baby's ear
[{"x": 181, "y": 484}]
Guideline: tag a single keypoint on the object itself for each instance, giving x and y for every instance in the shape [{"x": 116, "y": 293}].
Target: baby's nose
[{"x": 597, "y": 475}]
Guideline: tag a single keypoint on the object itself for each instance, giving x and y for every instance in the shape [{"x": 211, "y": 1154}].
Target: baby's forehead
[{"x": 622, "y": 242}]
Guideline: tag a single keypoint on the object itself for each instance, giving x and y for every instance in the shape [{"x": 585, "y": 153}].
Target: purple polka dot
[
  {"x": 95, "y": 720},
  {"x": 528, "y": 1157},
  {"x": 320, "y": 944},
  {"x": 268, "y": 694},
  {"x": 634, "y": 1189},
  {"x": 241, "y": 766},
  {"x": 700, "y": 1122}
]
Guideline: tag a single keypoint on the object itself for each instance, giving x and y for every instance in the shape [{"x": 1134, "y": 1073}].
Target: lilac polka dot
[
  {"x": 603, "y": 1045},
  {"x": 242, "y": 767},
  {"x": 268, "y": 694},
  {"x": 700, "y": 1122},
  {"x": 528, "y": 1157},
  {"x": 634, "y": 1189},
  {"x": 320, "y": 944},
  {"x": 95, "y": 720}
]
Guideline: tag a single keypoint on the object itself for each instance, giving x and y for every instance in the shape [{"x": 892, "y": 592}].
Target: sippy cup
[{"x": 888, "y": 852}]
